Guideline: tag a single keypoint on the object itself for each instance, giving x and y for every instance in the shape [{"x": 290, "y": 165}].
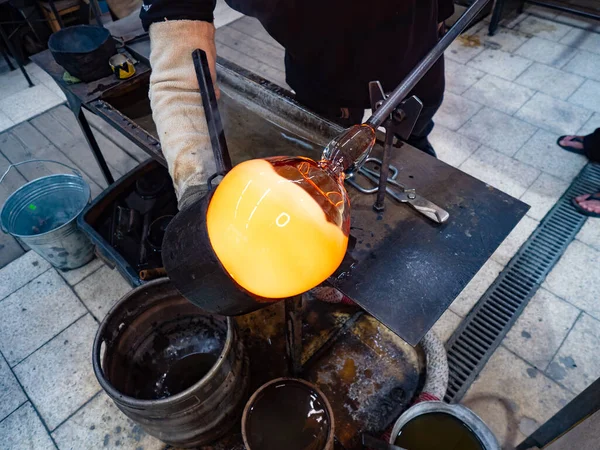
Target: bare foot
[
  {"x": 575, "y": 142},
  {"x": 589, "y": 205}
]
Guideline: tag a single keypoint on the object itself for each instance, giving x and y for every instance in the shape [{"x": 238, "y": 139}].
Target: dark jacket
[{"x": 335, "y": 47}]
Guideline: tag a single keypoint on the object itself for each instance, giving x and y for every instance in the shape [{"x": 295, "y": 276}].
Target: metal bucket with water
[{"x": 43, "y": 213}]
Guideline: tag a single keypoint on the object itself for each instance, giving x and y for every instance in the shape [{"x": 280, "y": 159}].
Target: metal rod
[
  {"x": 211, "y": 110},
  {"x": 293, "y": 334},
  {"x": 14, "y": 54},
  {"x": 384, "y": 169},
  {"x": 408, "y": 84},
  {"x": 91, "y": 140}
]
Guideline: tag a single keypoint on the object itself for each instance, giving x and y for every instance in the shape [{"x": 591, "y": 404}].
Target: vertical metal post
[
  {"x": 384, "y": 170},
  {"x": 13, "y": 52},
  {"x": 56, "y": 15},
  {"x": 293, "y": 334}
]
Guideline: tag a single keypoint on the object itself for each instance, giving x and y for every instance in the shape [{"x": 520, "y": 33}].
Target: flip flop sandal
[
  {"x": 579, "y": 151},
  {"x": 584, "y": 211}
]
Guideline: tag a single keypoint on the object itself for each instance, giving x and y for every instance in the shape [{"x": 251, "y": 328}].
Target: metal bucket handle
[{"x": 75, "y": 171}]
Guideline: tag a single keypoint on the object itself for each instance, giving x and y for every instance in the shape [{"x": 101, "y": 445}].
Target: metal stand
[
  {"x": 293, "y": 334},
  {"x": 13, "y": 52}
]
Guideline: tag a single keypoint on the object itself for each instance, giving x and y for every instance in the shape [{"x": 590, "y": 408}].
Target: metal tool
[{"x": 398, "y": 191}]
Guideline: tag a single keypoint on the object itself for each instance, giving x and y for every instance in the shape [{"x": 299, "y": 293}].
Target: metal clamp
[{"x": 75, "y": 171}]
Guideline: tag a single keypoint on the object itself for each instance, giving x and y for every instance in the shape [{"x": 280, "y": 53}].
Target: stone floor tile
[
  {"x": 511, "y": 22},
  {"x": 542, "y": 152},
  {"x": 498, "y": 131},
  {"x": 546, "y": 52},
  {"x": 585, "y": 64},
  {"x": 28, "y": 103},
  {"x": 10, "y": 249},
  {"x": 576, "y": 278},
  {"x": 513, "y": 397},
  {"x": 11, "y": 394},
  {"x": 101, "y": 290},
  {"x": 459, "y": 77},
  {"x": 553, "y": 115},
  {"x": 543, "y": 194},
  {"x": 551, "y": 81},
  {"x": 75, "y": 276},
  {"x": 451, "y": 147},
  {"x": 100, "y": 424},
  {"x": 576, "y": 365},
  {"x": 541, "y": 329},
  {"x": 223, "y": 14},
  {"x": 35, "y": 314},
  {"x": 5, "y": 122},
  {"x": 20, "y": 272},
  {"x": 446, "y": 324},
  {"x": 515, "y": 240},
  {"x": 12, "y": 82},
  {"x": 499, "y": 94},
  {"x": 583, "y": 39},
  {"x": 590, "y": 126},
  {"x": 23, "y": 430},
  {"x": 543, "y": 28},
  {"x": 588, "y": 95},
  {"x": 584, "y": 23},
  {"x": 539, "y": 11},
  {"x": 58, "y": 378},
  {"x": 499, "y": 63},
  {"x": 476, "y": 288},
  {"x": 463, "y": 49},
  {"x": 590, "y": 233},
  {"x": 455, "y": 111},
  {"x": 500, "y": 171},
  {"x": 505, "y": 39}
]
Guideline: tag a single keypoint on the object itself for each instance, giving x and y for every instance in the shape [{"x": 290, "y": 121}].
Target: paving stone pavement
[{"x": 508, "y": 98}]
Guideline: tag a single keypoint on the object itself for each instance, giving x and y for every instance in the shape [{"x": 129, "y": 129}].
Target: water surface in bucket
[
  {"x": 290, "y": 416},
  {"x": 437, "y": 431}
]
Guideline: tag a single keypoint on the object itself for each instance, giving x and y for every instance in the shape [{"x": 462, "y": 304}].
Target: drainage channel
[{"x": 476, "y": 339}]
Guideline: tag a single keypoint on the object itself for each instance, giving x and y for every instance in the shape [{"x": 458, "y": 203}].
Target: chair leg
[
  {"x": 8, "y": 61},
  {"x": 56, "y": 14},
  {"x": 11, "y": 49}
]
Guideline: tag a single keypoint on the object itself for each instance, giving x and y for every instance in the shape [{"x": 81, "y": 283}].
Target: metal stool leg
[
  {"x": 56, "y": 15},
  {"x": 8, "y": 61},
  {"x": 13, "y": 52}
]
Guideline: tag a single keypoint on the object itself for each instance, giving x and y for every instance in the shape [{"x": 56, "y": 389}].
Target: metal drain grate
[{"x": 483, "y": 329}]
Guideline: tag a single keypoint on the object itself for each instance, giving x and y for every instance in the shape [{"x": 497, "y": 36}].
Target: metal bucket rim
[
  {"x": 136, "y": 402},
  {"x": 477, "y": 425},
  {"x": 25, "y": 236},
  {"x": 314, "y": 387}
]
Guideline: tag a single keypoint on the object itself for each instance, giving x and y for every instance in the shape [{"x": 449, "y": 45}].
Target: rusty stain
[
  {"x": 348, "y": 373},
  {"x": 469, "y": 40}
]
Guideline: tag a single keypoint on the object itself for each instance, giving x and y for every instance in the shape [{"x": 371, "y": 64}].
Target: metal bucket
[
  {"x": 43, "y": 213},
  {"x": 142, "y": 347}
]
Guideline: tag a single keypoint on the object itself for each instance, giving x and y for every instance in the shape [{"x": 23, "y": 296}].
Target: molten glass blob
[{"x": 280, "y": 226}]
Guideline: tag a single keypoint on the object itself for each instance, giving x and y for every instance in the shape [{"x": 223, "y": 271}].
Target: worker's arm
[{"x": 176, "y": 29}]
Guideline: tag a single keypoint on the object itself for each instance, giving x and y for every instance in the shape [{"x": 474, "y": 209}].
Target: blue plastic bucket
[{"x": 43, "y": 215}]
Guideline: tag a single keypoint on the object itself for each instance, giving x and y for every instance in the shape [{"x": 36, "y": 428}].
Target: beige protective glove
[{"x": 177, "y": 106}]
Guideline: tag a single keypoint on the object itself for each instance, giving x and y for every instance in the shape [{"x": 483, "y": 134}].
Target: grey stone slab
[
  {"x": 23, "y": 430},
  {"x": 551, "y": 81},
  {"x": 504, "y": 65},
  {"x": 590, "y": 233},
  {"x": 5, "y": 122},
  {"x": 21, "y": 271},
  {"x": 58, "y": 378},
  {"x": 584, "y": 63},
  {"x": 541, "y": 328},
  {"x": 546, "y": 52},
  {"x": 459, "y": 77},
  {"x": 513, "y": 398},
  {"x": 539, "y": 11},
  {"x": 583, "y": 39},
  {"x": 553, "y": 115},
  {"x": 576, "y": 278},
  {"x": 515, "y": 240},
  {"x": 100, "y": 424},
  {"x": 446, "y": 325},
  {"x": 543, "y": 194},
  {"x": 28, "y": 103},
  {"x": 9, "y": 249},
  {"x": 76, "y": 275},
  {"x": 101, "y": 290},
  {"x": 464, "y": 49},
  {"x": 543, "y": 28},
  {"x": 500, "y": 171},
  {"x": 498, "y": 131},
  {"x": 11, "y": 394},
  {"x": 585, "y": 23},
  {"x": 499, "y": 94},
  {"x": 576, "y": 365},
  {"x": 588, "y": 95},
  {"x": 455, "y": 111},
  {"x": 451, "y": 147},
  {"x": 590, "y": 126},
  {"x": 505, "y": 39},
  {"x": 542, "y": 152},
  {"x": 35, "y": 314},
  {"x": 476, "y": 288}
]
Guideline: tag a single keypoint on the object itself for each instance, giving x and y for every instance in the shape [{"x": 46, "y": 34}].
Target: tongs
[{"x": 398, "y": 191}]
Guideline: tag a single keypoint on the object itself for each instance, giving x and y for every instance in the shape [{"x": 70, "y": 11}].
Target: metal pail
[{"x": 43, "y": 213}]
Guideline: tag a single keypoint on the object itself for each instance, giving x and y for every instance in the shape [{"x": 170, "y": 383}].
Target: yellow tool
[{"x": 122, "y": 66}]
